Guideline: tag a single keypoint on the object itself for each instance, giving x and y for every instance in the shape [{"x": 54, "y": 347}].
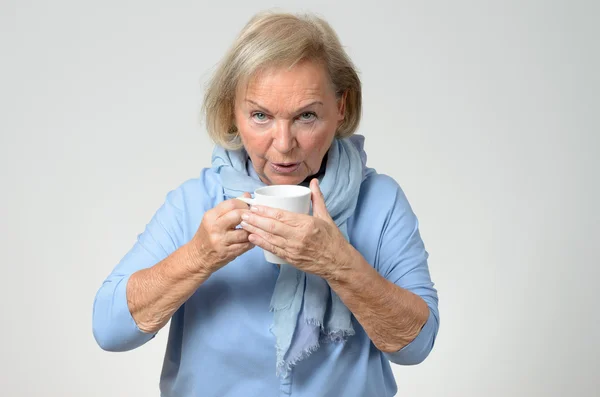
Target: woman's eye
[
  {"x": 259, "y": 116},
  {"x": 307, "y": 116}
]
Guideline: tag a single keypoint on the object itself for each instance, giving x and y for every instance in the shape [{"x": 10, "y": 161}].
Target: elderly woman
[{"x": 355, "y": 292}]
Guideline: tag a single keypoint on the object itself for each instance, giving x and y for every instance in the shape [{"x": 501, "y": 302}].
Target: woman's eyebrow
[{"x": 264, "y": 109}]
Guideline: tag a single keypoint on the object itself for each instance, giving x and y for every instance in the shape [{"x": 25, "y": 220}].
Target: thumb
[
  {"x": 318, "y": 201},
  {"x": 245, "y": 195}
]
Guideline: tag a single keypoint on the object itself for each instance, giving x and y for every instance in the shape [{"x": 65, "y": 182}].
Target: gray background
[{"x": 485, "y": 112}]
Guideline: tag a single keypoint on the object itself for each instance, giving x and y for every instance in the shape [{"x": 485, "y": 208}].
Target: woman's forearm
[
  {"x": 155, "y": 293},
  {"x": 391, "y": 316}
]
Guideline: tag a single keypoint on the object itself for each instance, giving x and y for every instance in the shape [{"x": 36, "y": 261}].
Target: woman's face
[{"x": 287, "y": 119}]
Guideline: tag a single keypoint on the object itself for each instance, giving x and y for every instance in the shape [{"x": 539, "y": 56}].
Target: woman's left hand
[{"x": 313, "y": 244}]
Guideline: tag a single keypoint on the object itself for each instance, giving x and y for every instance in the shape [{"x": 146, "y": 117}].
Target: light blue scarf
[{"x": 305, "y": 310}]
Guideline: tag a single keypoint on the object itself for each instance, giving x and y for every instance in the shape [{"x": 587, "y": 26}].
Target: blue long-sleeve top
[{"x": 219, "y": 341}]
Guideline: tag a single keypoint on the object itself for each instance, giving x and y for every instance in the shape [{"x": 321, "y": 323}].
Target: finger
[
  {"x": 273, "y": 213},
  {"x": 246, "y": 195},
  {"x": 318, "y": 201},
  {"x": 266, "y": 235},
  {"x": 232, "y": 218},
  {"x": 230, "y": 205},
  {"x": 240, "y": 248},
  {"x": 270, "y": 225},
  {"x": 258, "y": 241},
  {"x": 236, "y": 237}
]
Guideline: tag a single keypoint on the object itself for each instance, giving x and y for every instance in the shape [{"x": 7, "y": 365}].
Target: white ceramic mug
[{"x": 291, "y": 198}]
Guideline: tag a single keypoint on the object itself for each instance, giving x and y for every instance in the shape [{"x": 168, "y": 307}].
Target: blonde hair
[{"x": 279, "y": 39}]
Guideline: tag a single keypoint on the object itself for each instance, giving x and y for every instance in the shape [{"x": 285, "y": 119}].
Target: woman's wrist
[
  {"x": 196, "y": 263},
  {"x": 344, "y": 264}
]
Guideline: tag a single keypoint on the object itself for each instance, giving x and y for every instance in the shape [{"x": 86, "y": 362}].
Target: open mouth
[{"x": 285, "y": 168}]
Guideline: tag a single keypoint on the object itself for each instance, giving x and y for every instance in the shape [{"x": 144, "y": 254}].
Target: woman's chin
[{"x": 286, "y": 179}]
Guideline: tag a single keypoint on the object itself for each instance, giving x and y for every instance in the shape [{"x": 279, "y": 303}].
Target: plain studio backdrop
[{"x": 486, "y": 113}]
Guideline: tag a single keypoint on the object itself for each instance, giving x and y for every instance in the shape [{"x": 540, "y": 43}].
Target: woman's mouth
[{"x": 285, "y": 168}]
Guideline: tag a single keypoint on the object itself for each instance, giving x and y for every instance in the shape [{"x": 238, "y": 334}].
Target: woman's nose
[{"x": 283, "y": 138}]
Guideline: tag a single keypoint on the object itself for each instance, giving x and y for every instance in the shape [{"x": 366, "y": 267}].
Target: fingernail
[
  {"x": 243, "y": 224},
  {"x": 245, "y": 216},
  {"x": 254, "y": 209}
]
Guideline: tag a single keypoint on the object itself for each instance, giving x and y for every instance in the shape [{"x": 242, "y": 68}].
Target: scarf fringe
[
  {"x": 326, "y": 336},
  {"x": 338, "y": 336},
  {"x": 284, "y": 368}
]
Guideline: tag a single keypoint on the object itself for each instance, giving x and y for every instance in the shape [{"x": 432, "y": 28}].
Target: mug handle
[{"x": 247, "y": 200}]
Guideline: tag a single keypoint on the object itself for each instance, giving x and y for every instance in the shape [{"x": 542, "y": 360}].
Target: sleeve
[
  {"x": 402, "y": 259},
  {"x": 113, "y": 326}
]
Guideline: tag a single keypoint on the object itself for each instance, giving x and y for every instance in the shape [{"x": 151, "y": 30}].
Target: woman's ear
[{"x": 342, "y": 108}]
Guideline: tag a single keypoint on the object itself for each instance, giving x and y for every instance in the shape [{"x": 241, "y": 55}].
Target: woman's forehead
[{"x": 304, "y": 81}]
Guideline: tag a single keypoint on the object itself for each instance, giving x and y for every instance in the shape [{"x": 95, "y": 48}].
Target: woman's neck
[{"x": 319, "y": 175}]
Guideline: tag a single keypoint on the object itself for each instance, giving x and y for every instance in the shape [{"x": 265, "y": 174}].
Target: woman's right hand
[
  {"x": 156, "y": 292},
  {"x": 217, "y": 241}
]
